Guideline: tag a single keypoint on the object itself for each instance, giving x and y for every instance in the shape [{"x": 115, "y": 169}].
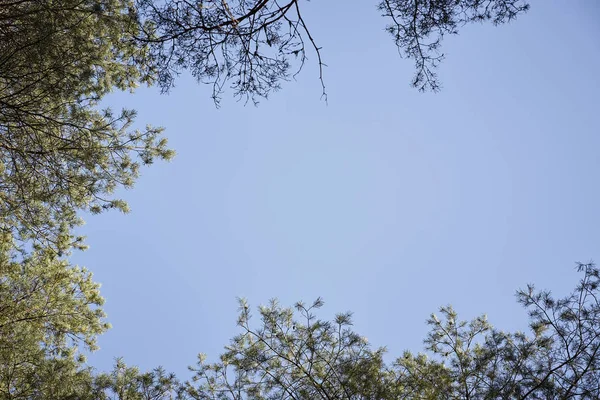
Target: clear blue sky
[{"x": 385, "y": 202}]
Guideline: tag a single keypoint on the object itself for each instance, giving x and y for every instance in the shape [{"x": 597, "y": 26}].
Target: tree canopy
[
  {"x": 48, "y": 311},
  {"x": 292, "y": 354},
  {"x": 254, "y": 45},
  {"x": 61, "y": 154},
  {"x": 298, "y": 356}
]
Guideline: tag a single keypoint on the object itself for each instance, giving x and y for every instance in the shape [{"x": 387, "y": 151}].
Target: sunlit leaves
[
  {"x": 60, "y": 153},
  {"x": 48, "y": 310}
]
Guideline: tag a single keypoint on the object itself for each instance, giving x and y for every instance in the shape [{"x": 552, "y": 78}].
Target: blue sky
[{"x": 385, "y": 201}]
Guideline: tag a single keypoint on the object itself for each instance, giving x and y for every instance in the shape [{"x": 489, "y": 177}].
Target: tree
[
  {"x": 560, "y": 360},
  {"x": 252, "y": 44},
  {"x": 49, "y": 312},
  {"x": 293, "y": 355},
  {"x": 286, "y": 357},
  {"x": 313, "y": 359},
  {"x": 48, "y": 309},
  {"x": 58, "y": 152},
  {"x": 128, "y": 383}
]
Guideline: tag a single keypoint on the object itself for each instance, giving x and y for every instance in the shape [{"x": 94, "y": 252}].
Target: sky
[{"x": 384, "y": 201}]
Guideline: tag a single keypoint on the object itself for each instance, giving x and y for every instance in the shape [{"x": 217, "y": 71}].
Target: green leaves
[
  {"x": 128, "y": 383},
  {"x": 292, "y": 355},
  {"x": 48, "y": 309},
  {"x": 295, "y": 355},
  {"x": 59, "y": 153},
  {"x": 476, "y": 361}
]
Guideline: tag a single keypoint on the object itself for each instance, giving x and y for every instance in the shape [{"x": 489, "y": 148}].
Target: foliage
[
  {"x": 59, "y": 153},
  {"x": 287, "y": 357},
  {"x": 292, "y": 354},
  {"x": 128, "y": 383},
  {"x": 418, "y": 27},
  {"x": 48, "y": 309},
  {"x": 49, "y": 312},
  {"x": 473, "y": 360},
  {"x": 252, "y": 45},
  {"x": 312, "y": 359}
]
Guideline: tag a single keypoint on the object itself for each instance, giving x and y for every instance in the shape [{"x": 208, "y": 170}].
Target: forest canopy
[{"x": 62, "y": 154}]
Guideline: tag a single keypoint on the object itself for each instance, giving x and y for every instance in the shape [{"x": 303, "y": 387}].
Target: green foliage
[
  {"x": 293, "y": 356},
  {"x": 128, "y": 383},
  {"x": 49, "y": 312},
  {"x": 307, "y": 358},
  {"x": 48, "y": 309},
  {"x": 560, "y": 359},
  {"x": 59, "y": 153}
]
